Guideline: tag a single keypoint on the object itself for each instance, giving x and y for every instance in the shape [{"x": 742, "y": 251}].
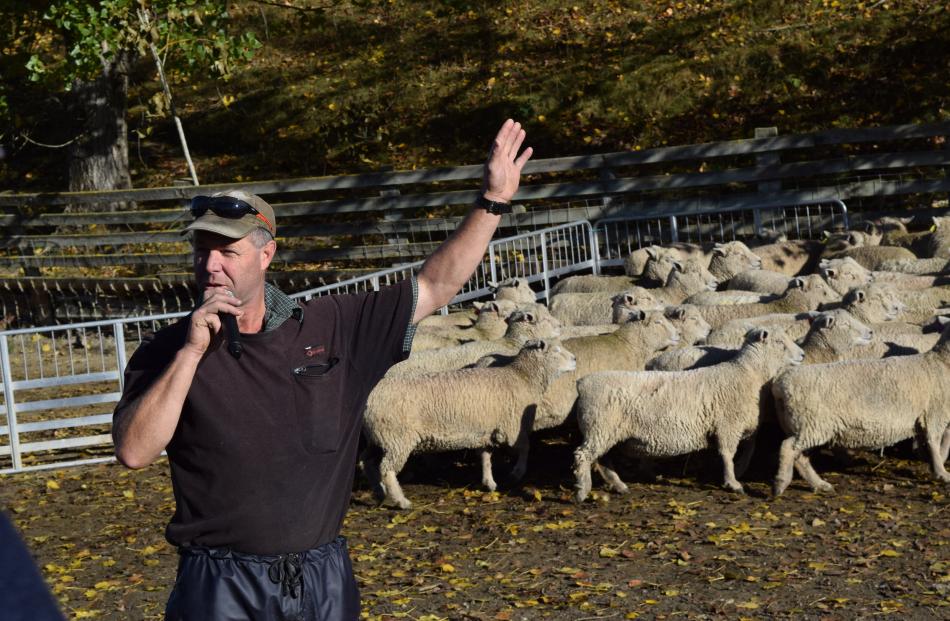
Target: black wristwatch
[{"x": 496, "y": 208}]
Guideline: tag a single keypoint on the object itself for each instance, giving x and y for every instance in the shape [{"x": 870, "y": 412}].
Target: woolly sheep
[
  {"x": 894, "y": 232},
  {"x": 846, "y": 273},
  {"x": 864, "y": 404},
  {"x": 832, "y": 335},
  {"x": 490, "y": 324},
  {"x": 516, "y": 290},
  {"x": 636, "y": 261},
  {"x": 522, "y": 327},
  {"x": 664, "y": 414},
  {"x": 464, "y": 409},
  {"x": 939, "y": 246},
  {"x": 873, "y": 257},
  {"x": 635, "y": 342},
  {"x": 684, "y": 280},
  {"x": 938, "y": 266},
  {"x": 591, "y": 309},
  {"x": 760, "y": 281},
  {"x": 805, "y": 293},
  {"x": 732, "y": 258},
  {"x": 588, "y": 283},
  {"x": 684, "y": 317},
  {"x": 790, "y": 257}
]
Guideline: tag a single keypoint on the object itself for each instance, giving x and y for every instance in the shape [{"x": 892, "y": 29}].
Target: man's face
[{"x": 233, "y": 264}]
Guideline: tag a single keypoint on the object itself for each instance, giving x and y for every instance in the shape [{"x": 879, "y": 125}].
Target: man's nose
[{"x": 213, "y": 262}]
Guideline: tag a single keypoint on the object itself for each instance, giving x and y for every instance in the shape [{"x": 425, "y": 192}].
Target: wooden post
[{"x": 763, "y": 160}]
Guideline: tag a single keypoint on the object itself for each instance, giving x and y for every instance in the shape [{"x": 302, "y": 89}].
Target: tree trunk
[{"x": 99, "y": 159}]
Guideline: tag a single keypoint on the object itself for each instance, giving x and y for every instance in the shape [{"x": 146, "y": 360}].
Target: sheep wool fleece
[{"x": 262, "y": 461}]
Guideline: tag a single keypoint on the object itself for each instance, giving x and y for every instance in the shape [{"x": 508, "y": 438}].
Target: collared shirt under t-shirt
[{"x": 263, "y": 458}]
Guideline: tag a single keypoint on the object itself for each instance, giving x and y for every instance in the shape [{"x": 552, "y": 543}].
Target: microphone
[{"x": 235, "y": 347}]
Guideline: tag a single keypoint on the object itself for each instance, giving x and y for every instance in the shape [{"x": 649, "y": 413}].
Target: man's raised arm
[{"x": 452, "y": 264}]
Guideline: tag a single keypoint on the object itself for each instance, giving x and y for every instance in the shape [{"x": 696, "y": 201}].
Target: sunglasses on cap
[{"x": 226, "y": 207}]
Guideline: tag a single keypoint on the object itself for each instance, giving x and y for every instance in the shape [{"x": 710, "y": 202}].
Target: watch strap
[{"x": 493, "y": 207}]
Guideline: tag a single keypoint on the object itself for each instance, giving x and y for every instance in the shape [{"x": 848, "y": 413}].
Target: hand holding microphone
[{"x": 229, "y": 321}]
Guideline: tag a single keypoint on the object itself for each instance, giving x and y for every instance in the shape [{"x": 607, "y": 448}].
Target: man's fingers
[
  {"x": 523, "y": 158},
  {"x": 516, "y": 144}
]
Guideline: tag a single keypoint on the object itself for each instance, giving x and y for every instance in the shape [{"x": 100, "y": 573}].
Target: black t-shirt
[{"x": 263, "y": 458}]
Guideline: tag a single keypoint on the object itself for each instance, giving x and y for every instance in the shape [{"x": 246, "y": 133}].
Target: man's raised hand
[{"x": 503, "y": 169}]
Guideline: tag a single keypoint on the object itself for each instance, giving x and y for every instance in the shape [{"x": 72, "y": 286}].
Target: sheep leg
[
  {"x": 727, "y": 451},
  {"x": 585, "y": 457},
  {"x": 487, "y": 479},
  {"x": 370, "y": 461},
  {"x": 807, "y": 472},
  {"x": 935, "y": 437},
  {"x": 390, "y": 465},
  {"x": 522, "y": 444},
  {"x": 945, "y": 445},
  {"x": 605, "y": 468},
  {"x": 746, "y": 450},
  {"x": 786, "y": 462}
]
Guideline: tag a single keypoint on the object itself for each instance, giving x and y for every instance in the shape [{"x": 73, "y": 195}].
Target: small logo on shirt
[{"x": 314, "y": 350}]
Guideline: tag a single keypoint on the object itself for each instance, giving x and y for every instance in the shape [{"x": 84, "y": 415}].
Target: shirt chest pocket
[{"x": 318, "y": 386}]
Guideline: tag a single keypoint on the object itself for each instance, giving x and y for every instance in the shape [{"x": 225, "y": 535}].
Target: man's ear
[{"x": 267, "y": 254}]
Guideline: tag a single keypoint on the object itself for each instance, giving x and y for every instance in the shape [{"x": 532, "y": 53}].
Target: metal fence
[
  {"x": 618, "y": 237},
  {"x": 60, "y": 383}
]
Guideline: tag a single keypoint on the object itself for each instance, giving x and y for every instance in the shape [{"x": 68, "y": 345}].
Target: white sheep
[
  {"x": 628, "y": 348},
  {"x": 664, "y": 414},
  {"x": 522, "y": 327},
  {"x": 805, "y": 293},
  {"x": 489, "y": 324},
  {"x": 592, "y": 309},
  {"x": 791, "y": 257},
  {"x": 846, "y": 273},
  {"x": 683, "y": 280},
  {"x": 938, "y": 266},
  {"x": 939, "y": 246},
  {"x": 760, "y": 281},
  {"x": 864, "y": 404},
  {"x": 474, "y": 408},
  {"x": 636, "y": 261},
  {"x": 516, "y": 290},
  {"x": 684, "y": 317}
]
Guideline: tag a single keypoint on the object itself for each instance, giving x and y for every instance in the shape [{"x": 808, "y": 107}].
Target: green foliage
[{"x": 78, "y": 38}]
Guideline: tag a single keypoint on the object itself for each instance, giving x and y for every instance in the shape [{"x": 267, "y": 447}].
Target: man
[{"x": 262, "y": 446}]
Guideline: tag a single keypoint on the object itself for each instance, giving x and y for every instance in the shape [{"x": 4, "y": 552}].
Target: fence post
[
  {"x": 10, "y": 403},
  {"x": 594, "y": 246},
  {"x": 762, "y": 160},
  {"x": 118, "y": 329},
  {"x": 544, "y": 268}
]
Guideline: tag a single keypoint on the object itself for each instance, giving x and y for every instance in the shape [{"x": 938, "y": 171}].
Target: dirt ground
[{"x": 677, "y": 546}]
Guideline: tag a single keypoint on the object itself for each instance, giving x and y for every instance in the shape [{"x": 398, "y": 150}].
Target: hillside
[{"x": 369, "y": 85}]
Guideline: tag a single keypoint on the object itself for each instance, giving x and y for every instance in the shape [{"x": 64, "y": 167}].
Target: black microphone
[{"x": 235, "y": 347}]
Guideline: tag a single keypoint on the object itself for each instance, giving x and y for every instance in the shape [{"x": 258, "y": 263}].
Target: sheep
[
  {"x": 464, "y": 409},
  {"x": 760, "y": 281},
  {"x": 832, "y": 335},
  {"x": 873, "y": 257},
  {"x": 730, "y": 296},
  {"x": 684, "y": 317},
  {"x": 938, "y": 266},
  {"x": 636, "y": 261},
  {"x": 790, "y": 257},
  {"x": 894, "y": 232},
  {"x": 731, "y": 258},
  {"x": 805, "y": 293},
  {"x": 846, "y": 273},
  {"x": 684, "y": 279},
  {"x": 588, "y": 283},
  {"x": 731, "y": 335},
  {"x": 516, "y": 290},
  {"x": 591, "y": 309},
  {"x": 864, "y": 404},
  {"x": 939, "y": 246},
  {"x": 489, "y": 325},
  {"x": 522, "y": 327},
  {"x": 663, "y": 414},
  {"x": 635, "y": 342}
]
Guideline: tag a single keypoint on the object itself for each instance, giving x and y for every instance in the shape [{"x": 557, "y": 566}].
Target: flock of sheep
[{"x": 838, "y": 341}]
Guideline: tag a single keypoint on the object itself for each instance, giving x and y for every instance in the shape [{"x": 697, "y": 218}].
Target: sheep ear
[
  {"x": 825, "y": 235},
  {"x": 943, "y": 320},
  {"x": 853, "y": 239},
  {"x": 870, "y": 227},
  {"x": 823, "y": 264},
  {"x": 629, "y": 298},
  {"x": 515, "y": 282},
  {"x": 796, "y": 283},
  {"x": 677, "y": 266},
  {"x": 825, "y": 321},
  {"x": 636, "y": 315},
  {"x": 720, "y": 250},
  {"x": 530, "y": 317},
  {"x": 676, "y": 312},
  {"x": 493, "y": 306},
  {"x": 831, "y": 272},
  {"x": 651, "y": 252},
  {"x": 478, "y": 305},
  {"x": 860, "y": 296},
  {"x": 757, "y": 335}
]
